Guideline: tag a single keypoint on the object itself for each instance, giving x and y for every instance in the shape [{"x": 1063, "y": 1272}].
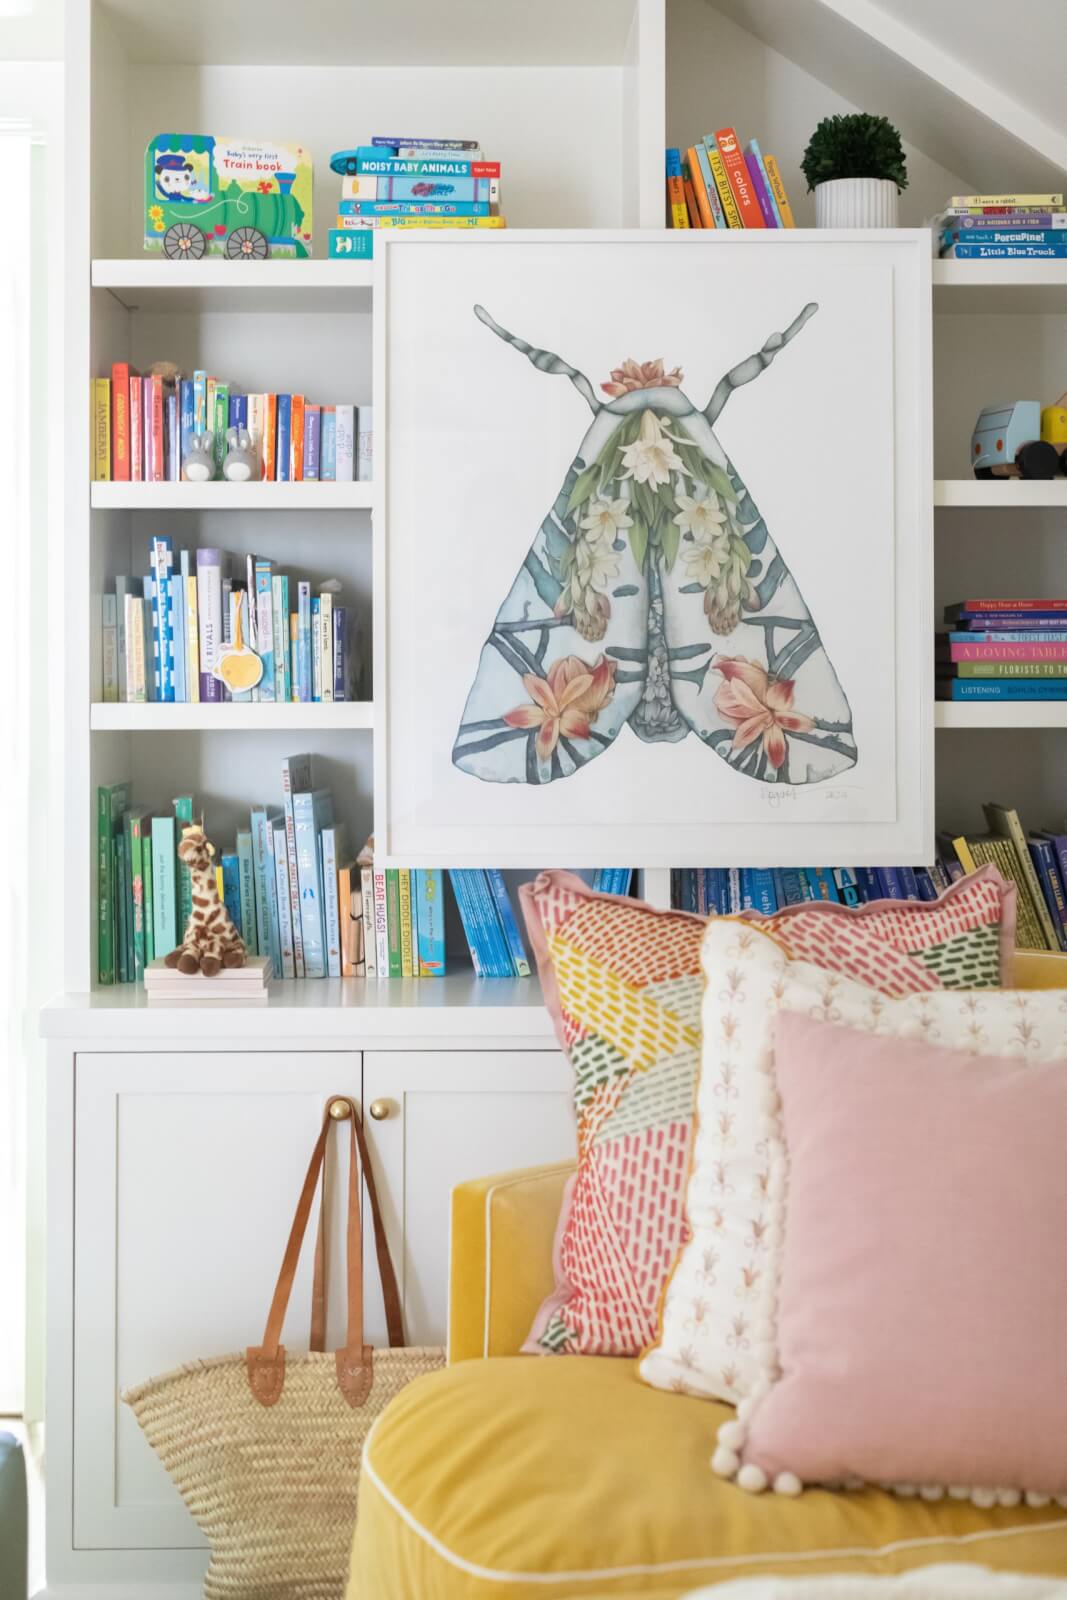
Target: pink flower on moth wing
[
  {"x": 759, "y": 706},
  {"x": 641, "y": 375},
  {"x": 564, "y": 703}
]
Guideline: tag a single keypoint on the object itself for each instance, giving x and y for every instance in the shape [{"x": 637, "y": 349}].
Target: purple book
[
  {"x": 340, "y": 652},
  {"x": 312, "y": 417},
  {"x": 1009, "y": 619},
  {"x": 1008, "y": 224},
  {"x": 209, "y": 619},
  {"x": 760, "y": 188}
]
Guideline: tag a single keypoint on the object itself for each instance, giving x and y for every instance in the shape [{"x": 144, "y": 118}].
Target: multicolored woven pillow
[{"x": 623, "y": 983}]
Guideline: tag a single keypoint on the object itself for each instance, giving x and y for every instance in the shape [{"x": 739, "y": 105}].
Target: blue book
[
  {"x": 283, "y": 901},
  {"x": 847, "y": 886},
  {"x": 791, "y": 882},
  {"x": 468, "y": 916},
  {"x": 512, "y": 938},
  {"x": 1044, "y": 856},
  {"x": 414, "y": 208},
  {"x": 177, "y": 634},
  {"x": 733, "y": 890},
  {"x": 312, "y": 811},
  {"x": 890, "y": 883},
  {"x": 379, "y": 163},
  {"x": 428, "y": 884},
  {"x": 314, "y": 647},
  {"x": 762, "y": 883},
  {"x": 928, "y": 888},
  {"x": 500, "y": 957},
  {"x": 328, "y": 445},
  {"x": 450, "y": 189},
  {"x": 264, "y": 629},
  {"x": 708, "y": 178},
  {"x": 284, "y": 426},
  {"x": 748, "y": 898},
  {"x": 246, "y": 894},
  {"x": 480, "y": 922},
  {"x": 162, "y": 558},
  {"x": 164, "y": 886},
  {"x": 1011, "y": 636},
  {"x": 867, "y": 883},
  {"x": 340, "y": 652},
  {"x": 909, "y": 881},
  {"x": 303, "y": 642},
  {"x": 821, "y": 882},
  {"x": 1003, "y": 689},
  {"x": 262, "y": 820},
  {"x": 231, "y": 887},
  {"x": 186, "y": 417},
  {"x": 999, "y": 252},
  {"x": 332, "y": 843},
  {"x": 238, "y": 411}
]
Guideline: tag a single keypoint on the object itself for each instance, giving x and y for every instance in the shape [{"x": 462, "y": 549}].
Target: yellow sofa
[{"x": 508, "y": 1476}]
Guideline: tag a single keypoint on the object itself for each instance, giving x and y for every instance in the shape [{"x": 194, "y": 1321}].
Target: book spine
[
  {"x": 284, "y": 441},
  {"x": 996, "y": 651},
  {"x": 1003, "y": 689},
  {"x": 136, "y": 665},
  {"x": 284, "y": 900},
  {"x": 764, "y": 891},
  {"x": 1035, "y": 635},
  {"x": 148, "y": 591},
  {"x": 364, "y": 443},
  {"x": 700, "y": 190},
  {"x": 303, "y": 677},
  {"x": 419, "y": 151},
  {"x": 1012, "y": 236},
  {"x": 173, "y": 438},
  {"x": 187, "y": 419},
  {"x": 821, "y": 883},
  {"x": 707, "y": 178},
  {"x": 345, "y": 443},
  {"x": 331, "y": 903},
  {"x": 120, "y": 422},
  {"x": 468, "y": 919},
  {"x": 414, "y": 208},
  {"x": 183, "y": 817},
  {"x": 229, "y": 869},
  {"x": 296, "y": 438},
  {"x": 430, "y": 922},
  {"x": 312, "y": 428},
  {"x": 388, "y": 167},
  {"x": 340, "y": 653},
  {"x": 499, "y": 958},
  {"x": 395, "y": 966},
  {"x": 512, "y": 939},
  {"x": 270, "y": 893},
  {"x": 149, "y": 915},
  {"x": 265, "y": 628},
  {"x": 740, "y": 182},
  {"x": 409, "y": 142},
  {"x": 370, "y": 941},
  {"x": 677, "y": 216},
  {"x": 246, "y": 884},
  {"x": 695, "y": 219},
  {"x": 290, "y": 851},
  {"x": 154, "y": 421},
  {"x": 101, "y": 431},
  {"x": 1005, "y": 822},
  {"x": 109, "y": 641},
  {"x": 105, "y": 890},
  {"x": 328, "y": 445},
  {"x": 270, "y": 440},
  {"x": 1006, "y": 252},
  {"x": 324, "y": 645},
  {"x": 122, "y": 959},
  {"x": 381, "y": 924},
  {"x": 279, "y": 628},
  {"x": 262, "y": 868},
  {"x": 723, "y": 188},
  {"x": 1011, "y": 202},
  {"x": 760, "y": 190},
  {"x": 176, "y": 614},
  {"x": 137, "y": 437},
  {"x": 200, "y": 412},
  {"x": 164, "y": 906},
  {"x": 777, "y": 189},
  {"x": 315, "y": 647},
  {"x": 308, "y": 877},
  {"x": 792, "y": 887},
  {"x": 163, "y": 616},
  {"x": 1054, "y": 670},
  {"x": 967, "y": 222},
  {"x": 367, "y": 186},
  {"x": 209, "y": 623},
  {"x": 220, "y": 421},
  {"x": 192, "y": 639},
  {"x": 1044, "y": 861},
  {"x": 407, "y": 948}
]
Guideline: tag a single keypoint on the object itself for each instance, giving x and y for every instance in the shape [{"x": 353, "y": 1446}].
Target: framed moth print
[{"x": 653, "y": 549}]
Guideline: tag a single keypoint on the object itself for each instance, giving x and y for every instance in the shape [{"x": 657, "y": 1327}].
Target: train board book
[{"x": 210, "y": 194}]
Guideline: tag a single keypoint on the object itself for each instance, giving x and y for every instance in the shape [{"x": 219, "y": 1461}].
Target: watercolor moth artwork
[
  {"x": 670, "y": 603},
  {"x": 654, "y": 596}
]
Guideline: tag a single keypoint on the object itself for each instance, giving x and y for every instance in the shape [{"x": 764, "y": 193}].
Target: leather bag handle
[{"x": 354, "y": 1363}]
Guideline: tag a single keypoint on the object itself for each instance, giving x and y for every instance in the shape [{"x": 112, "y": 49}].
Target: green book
[
  {"x": 164, "y": 886},
  {"x": 111, "y": 801},
  {"x": 149, "y": 930},
  {"x": 183, "y": 811},
  {"x": 247, "y": 881},
  {"x": 1009, "y": 669},
  {"x": 133, "y": 838},
  {"x": 221, "y": 423},
  {"x": 122, "y": 920},
  {"x": 392, "y": 921}
]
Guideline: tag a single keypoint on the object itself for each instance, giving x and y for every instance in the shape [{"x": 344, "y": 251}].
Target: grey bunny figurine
[
  {"x": 241, "y": 461},
  {"x": 198, "y": 463}
]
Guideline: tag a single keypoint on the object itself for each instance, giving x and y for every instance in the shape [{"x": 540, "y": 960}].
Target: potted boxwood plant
[{"x": 856, "y": 166}]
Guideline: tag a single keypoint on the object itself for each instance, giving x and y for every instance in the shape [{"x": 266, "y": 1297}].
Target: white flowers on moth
[
  {"x": 700, "y": 514},
  {"x": 652, "y": 456},
  {"x": 606, "y": 520},
  {"x": 594, "y": 564}
]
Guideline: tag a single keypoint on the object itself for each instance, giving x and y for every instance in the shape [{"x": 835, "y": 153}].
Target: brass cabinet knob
[
  {"x": 380, "y": 1110},
  {"x": 340, "y": 1109}
]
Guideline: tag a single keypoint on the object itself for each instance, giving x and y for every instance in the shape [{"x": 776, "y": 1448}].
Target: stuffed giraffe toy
[{"x": 210, "y": 941}]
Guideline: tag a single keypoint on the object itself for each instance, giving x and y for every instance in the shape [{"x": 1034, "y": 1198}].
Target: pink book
[
  {"x": 156, "y": 424},
  {"x": 996, "y": 651},
  {"x": 136, "y": 431}
]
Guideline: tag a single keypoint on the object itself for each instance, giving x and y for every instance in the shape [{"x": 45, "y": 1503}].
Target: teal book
[
  {"x": 149, "y": 929},
  {"x": 185, "y": 815},
  {"x": 312, "y": 811},
  {"x": 231, "y": 886},
  {"x": 429, "y": 899},
  {"x": 135, "y": 829},
  {"x": 512, "y": 937},
  {"x": 164, "y": 886},
  {"x": 122, "y": 918},
  {"x": 247, "y": 893},
  {"x": 263, "y": 819},
  {"x": 334, "y": 850},
  {"x": 296, "y": 778},
  {"x": 111, "y": 801}
]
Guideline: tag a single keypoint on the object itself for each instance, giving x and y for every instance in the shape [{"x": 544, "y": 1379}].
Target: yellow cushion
[{"x": 539, "y": 1476}]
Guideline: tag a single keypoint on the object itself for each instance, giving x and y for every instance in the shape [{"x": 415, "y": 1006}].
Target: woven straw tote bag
[{"x": 265, "y": 1447}]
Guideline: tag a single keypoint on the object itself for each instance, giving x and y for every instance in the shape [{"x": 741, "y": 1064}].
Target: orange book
[
  {"x": 740, "y": 182},
  {"x": 270, "y": 436},
  {"x": 777, "y": 187},
  {"x": 296, "y": 440},
  {"x": 120, "y": 421},
  {"x": 690, "y": 198},
  {"x": 707, "y": 216}
]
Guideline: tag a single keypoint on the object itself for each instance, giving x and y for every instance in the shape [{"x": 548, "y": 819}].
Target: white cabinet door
[
  {"x": 187, "y": 1175},
  {"x": 452, "y": 1115}
]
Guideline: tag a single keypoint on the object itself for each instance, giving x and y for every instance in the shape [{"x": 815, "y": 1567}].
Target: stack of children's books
[
  {"x": 408, "y": 182},
  {"x": 717, "y": 184},
  {"x": 143, "y": 428},
  {"x": 1003, "y": 650},
  {"x": 193, "y": 634},
  {"x": 1003, "y": 227}
]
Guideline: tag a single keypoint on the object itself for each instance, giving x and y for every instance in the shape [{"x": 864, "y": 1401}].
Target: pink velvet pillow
[{"x": 921, "y": 1321}]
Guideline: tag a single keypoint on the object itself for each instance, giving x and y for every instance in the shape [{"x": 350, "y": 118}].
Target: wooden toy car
[
  {"x": 210, "y": 195},
  {"x": 1008, "y": 442}
]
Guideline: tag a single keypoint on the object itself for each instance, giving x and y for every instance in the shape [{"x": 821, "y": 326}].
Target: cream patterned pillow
[{"x": 714, "y": 1319}]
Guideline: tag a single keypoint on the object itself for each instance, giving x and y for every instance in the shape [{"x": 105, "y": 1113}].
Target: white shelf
[
  {"x": 1005, "y": 494},
  {"x": 224, "y": 496},
  {"x": 1038, "y": 287},
  {"x": 151, "y": 283},
  {"x": 261, "y": 716},
  {"x": 1000, "y": 714}
]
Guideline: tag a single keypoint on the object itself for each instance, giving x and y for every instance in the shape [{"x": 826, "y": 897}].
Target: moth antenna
[
  {"x": 543, "y": 360},
  {"x": 752, "y": 366}
]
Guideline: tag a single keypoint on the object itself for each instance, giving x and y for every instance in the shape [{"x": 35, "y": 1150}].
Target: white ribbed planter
[{"x": 856, "y": 203}]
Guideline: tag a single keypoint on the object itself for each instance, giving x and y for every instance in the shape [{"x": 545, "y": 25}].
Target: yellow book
[
  {"x": 192, "y": 673},
  {"x": 101, "y": 428},
  {"x": 781, "y": 199},
  {"x": 963, "y": 851},
  {"x": 722, "y": 183},
  {"x": 218, "y": 883},
  {"x": 1018, "y": 202},
  {"x": 408, "y": 967}
]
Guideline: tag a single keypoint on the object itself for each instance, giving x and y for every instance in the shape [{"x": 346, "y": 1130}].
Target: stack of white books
[{"x": 230, "y": 983}]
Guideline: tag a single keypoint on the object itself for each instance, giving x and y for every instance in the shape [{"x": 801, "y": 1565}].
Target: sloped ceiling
[{"x": 978, "y": 86}]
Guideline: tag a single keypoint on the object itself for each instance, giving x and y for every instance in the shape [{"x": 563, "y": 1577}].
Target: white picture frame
[{"x": 833, "y": 444}]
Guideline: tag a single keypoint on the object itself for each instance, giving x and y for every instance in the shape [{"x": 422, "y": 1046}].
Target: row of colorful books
[
  {"x": 177, "y": 636},
  {"x": 143, "y": 428},
  {"x": 1003, "y": 649},
  {"x": 414, "y": 183},
  {"x": 403, "y": 917},
  {"x": 716, "y": 184},
  {"x": 1003, "y": 227}
]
